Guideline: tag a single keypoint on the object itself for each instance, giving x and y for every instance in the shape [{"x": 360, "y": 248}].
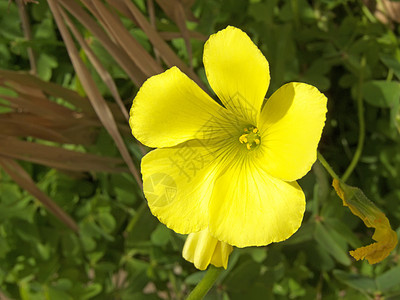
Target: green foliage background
[{"x": 123, "y": 252}]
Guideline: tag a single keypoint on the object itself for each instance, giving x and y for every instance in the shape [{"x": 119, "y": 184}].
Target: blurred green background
[{"x": 58, "y": 149}]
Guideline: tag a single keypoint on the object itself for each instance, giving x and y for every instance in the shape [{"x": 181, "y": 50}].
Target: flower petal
[
  {"x": 177, "y": 183},
  {"x": 170, "y": 109},
  {"x": 250, "y": 208},
  {"x": 291, "y": 125},
  {"x": 237, "y": 72},
  {"x": 203, "y": 249}
]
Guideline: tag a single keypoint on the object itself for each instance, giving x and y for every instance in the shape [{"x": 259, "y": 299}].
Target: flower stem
[
  {"x": 205, "y": 284},
  {"x": 327, "y": 167},
  {"x": 361, "y": 123}
]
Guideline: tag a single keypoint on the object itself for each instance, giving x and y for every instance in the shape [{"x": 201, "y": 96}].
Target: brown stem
[
  {"x": 152, "y": 17},
  {"x": 26, "y": 27}
]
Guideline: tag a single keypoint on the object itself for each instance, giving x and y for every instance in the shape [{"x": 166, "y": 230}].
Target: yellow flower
[
  {"x": 202, "y": 249},
  {"x": 231, "y": 169},
  {"x": 362, "y": 207}
]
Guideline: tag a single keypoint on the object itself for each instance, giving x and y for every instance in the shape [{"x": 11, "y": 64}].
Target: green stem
[
  {"x": 361, "y": 122},
  {"x": 327, "y": 167},
  {"x": 139, "y": 212},
  {"x": 205, "y": 284},
  {"x": 295, "y": 10}
]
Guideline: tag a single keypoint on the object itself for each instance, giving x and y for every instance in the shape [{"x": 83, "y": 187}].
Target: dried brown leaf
[
  {"x": 388, "y": 10},
  {"x": 27, "y": 84},
  {"x": 96, "y": 99},
  {"x": 57, "y": 157},
  {"x": 59, "y": 130},
  {"x": 39, "y": 105},
  {"x": 13, "y": 127},
  {"x": 132, "y": 47},
  {"x": 168, "y": 55}
]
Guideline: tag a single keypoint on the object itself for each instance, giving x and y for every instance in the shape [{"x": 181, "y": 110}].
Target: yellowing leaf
[{"x": 362, "y": 207}]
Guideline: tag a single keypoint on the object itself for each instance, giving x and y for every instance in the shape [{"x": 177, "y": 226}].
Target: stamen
[
  {"x": 251, "y": 137},
  {"x": 243, "y": 138}
]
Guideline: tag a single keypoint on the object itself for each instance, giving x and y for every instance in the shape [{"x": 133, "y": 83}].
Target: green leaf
[
  {"x": 91, "y": 291},
  {"x": 327, "y": 242},
  {"x": 88, "y": 243},
  {"x": 381, "y": 93},
  {"x": 389, "y": 280},
  {"x": 194, "y": 278},
  {"x": 356, "y": 281},
  {"x": 258, "y": 254},
  {"x": 45, "y": 29},
  {"x": 44, "y": 250},
  {"x": 256, "y": 292},
  {"x": 139, "y": 296},
  {"x": 4, "y": 247},
  {"x": 53, "y": 293},
  {"x": 137, "y": 270},
  {"x": 45, "y": 65},
  {"x": 304, "y": 234},
  {"x": 243, "y": 276},
  {"x": 141, "y": 227},
  {"x": 106, "y": 221},
  {"x": 392, "y": 63},
  {"x": 161, "y": 236},
  {"x": 344, "y": 231},
  {"x": 63, "y": 284},
  {"x": 40, "y": 10},
  {"x": 315, "y": 74},
  {"x": 124, "y": 188},
  {"x": 296, "y": 289},
  {"x": 10, "y": 29}
]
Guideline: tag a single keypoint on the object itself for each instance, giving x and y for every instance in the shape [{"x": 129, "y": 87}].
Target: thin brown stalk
[
  {"x": 168, "y": 6},
  {"x": 101, "y": 19},
  {"x": 120, "y": 56},
  {"x": 23, "y": 179},
  {"x": 26, "y": 27},
  {"x": 181, "y": 22},
  {"x": 152, "y": 17},
  {"x": 132, "y": 47},
  {"x": 175, "y": 35},
  {"x": 175, "y": 9},
  {"x": 105, "y": 76}
]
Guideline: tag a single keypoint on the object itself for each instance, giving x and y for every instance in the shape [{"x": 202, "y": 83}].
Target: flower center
[{"x": 251, "y": 137}]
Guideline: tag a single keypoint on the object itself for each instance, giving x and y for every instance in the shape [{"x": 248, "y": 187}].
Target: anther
[{"x": 251, "y": 137}]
